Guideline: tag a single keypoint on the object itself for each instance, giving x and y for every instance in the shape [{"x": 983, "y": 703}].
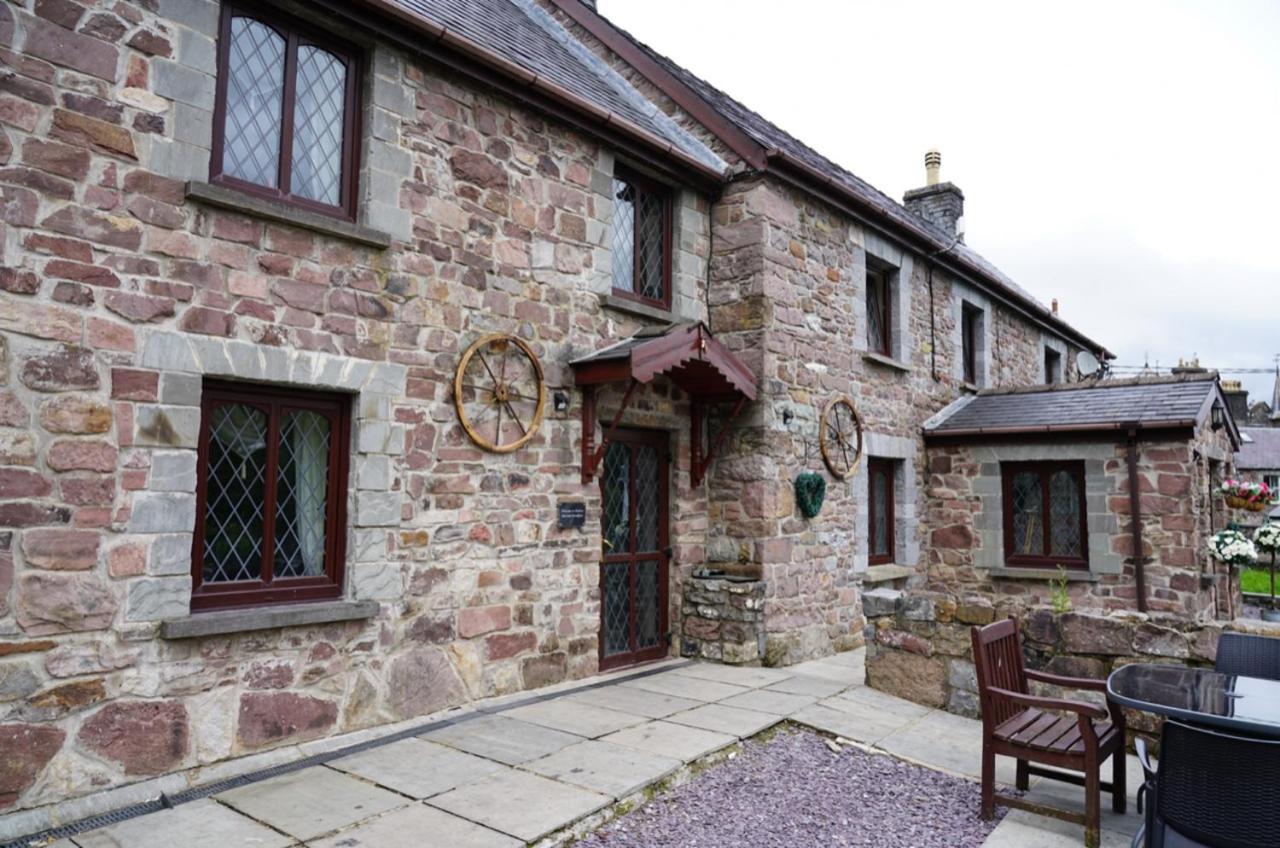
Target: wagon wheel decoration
[
  {"x": 840, "y": 436},
  {"x": 499, "y": 393}
]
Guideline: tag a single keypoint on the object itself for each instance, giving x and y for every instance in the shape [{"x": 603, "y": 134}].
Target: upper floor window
[
  {"x": 879, "y": 311},
  {"x": 641, "y": 239},
  {"x": 970, "y": 339},
  {"x": 285, "y": 116},
  {"x": 1045, "y": 521},
  {"x": 271, "y": 494},
  {"x": 1052, "y": 366}
]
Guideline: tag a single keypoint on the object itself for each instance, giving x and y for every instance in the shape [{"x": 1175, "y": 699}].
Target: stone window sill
[
  {"x": 887, "y": 362},
  {"x": 246, "y": 204},
  {"x": 265, "y": 618},
  {"x": 970, "y": 388},
  {"x": 886, "y": 573},
  {"x": 632, "y": 307},
  {"x": 1016, "y": 573}
]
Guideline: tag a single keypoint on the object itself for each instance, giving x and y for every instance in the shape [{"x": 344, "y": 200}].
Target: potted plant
[
  {"x": 1241, "y": 494},
  {"x": 1267, "y": 540},
  {"x": 1233, "y": 548}
]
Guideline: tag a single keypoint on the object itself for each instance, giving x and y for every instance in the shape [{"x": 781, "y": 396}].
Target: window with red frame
[
  {"x": 880, "y": 523},
  {"x": 285, "y": 115},
  {"x": 879, "y": 312},
  {"x": 641, "y": 239},
  {"x": 1045, "y": 520},
  {"x": 271, "y": 495}
]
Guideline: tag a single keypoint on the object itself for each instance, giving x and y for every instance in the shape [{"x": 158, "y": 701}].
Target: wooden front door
[{"x": 633, "y": 563}]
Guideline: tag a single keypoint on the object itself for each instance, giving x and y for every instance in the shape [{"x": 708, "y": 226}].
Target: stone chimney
[
  {"x": 1237, "y": 399},
  {"x": 939, "y": 203}
]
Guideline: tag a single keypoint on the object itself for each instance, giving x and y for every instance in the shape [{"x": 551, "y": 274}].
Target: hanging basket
[
  {"x": 1240, "y": 503},
  {"x": 811, "y": 491}
]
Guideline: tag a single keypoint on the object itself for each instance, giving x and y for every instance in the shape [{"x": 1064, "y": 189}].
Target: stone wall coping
[
  {"x": 887, "y": 362},
  {"x": 1074, "y": 575},
  {"x": 265, "y": 618},
  {"x": 632, "y": 307},
  {"x": 886, "y": 573},
  {"x": 238, "y": 201}
]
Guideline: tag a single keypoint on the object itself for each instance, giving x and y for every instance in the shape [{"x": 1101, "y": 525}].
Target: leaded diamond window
[
  {"x": 270, "y": 496},
  {"x": 879, "y": 312},
  {"x": 641, "y": 239},
  {"x": 286, "y": 112},
  {"x": 880, "y": 523},
  {"x": 1044, "y": 514}
]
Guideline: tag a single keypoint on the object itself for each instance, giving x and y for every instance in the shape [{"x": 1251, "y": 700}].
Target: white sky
[{"x": 1121, "y": 156}]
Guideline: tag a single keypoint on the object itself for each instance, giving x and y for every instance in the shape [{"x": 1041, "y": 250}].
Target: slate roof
[
  {"x": 1261, "y": 449},
  {"x": 523, "y": 33},
  {"x": 1102, "y": 405}
]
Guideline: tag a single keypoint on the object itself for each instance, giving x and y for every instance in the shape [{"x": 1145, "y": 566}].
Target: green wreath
[{"x": 811, "y": 491}]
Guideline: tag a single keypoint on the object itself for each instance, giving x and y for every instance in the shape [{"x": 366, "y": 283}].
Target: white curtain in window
[{"x": 308, "y": 443}]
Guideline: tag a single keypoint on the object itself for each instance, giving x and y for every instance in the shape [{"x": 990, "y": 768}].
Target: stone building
[{"x": 245, "y": 249}]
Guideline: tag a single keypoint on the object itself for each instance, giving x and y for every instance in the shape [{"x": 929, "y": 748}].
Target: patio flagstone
[
  {"x": 684, "y": 686},
  {"x": 416, "y": 767},
  {"x": 837, "y": 672},
  {"x": 574, "y": 717},
  {"x": 503, "y": 739},
  {"x": 1021, "y": 829},
  {"x": 526, "y": 806},
  {"x": 310, "y": 802},
  {"x": 671, "y": 740},
  {"x": 815, "y": 687},
  {"x": 604, "y": 767},
  {"x": 739, "y": 722},
  {"x": 200, "y": 824},
  {"x": 762, "y": 700},
  {"x": 417, "y": 826},
  {"x": 735, "y": 675},
  {"x": 628, "y": 699}
]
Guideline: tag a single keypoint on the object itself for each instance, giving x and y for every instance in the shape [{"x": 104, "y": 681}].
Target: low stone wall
[
  {"x": 723, "y": 620},
  {"x": 919, "y": 648}
]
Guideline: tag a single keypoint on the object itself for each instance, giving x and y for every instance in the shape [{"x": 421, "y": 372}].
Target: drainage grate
[{"x": 165, "y": 802}]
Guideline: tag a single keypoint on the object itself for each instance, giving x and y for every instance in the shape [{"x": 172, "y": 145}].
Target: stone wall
[
  {"x": 1179, "y": 504},
  {"x": 920, "y": 646},
  {"x": 723, "y": 620},
  {"x": 120, "y": 292},
  {"x": 788, "y": 293}
]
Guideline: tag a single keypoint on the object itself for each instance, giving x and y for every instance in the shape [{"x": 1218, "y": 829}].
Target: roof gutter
[
  {"x": 1108, "y": 427},
  {"x": 858, "y": 208},
  {"x": 437, "y": 34}
]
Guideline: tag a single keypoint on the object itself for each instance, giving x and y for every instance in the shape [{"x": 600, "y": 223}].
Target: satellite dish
[{"x": 1087, "y": 363}]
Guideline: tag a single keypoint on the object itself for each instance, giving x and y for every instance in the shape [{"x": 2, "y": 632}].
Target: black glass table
[{"x": 1246, "y": 705}]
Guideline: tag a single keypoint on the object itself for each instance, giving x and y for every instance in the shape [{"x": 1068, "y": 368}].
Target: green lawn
[{"x": 1259, "y": 580}]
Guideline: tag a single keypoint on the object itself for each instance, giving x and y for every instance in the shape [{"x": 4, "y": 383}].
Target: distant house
[{"x": 1258, "y": 459}]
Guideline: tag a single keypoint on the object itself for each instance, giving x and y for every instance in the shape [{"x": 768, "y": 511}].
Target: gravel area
[{"x": 793, "y": 791}]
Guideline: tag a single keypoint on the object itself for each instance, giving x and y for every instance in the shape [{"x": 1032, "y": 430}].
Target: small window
[
  {"x": 879, "y": 312},
  {"x": 641, "y": 239},
  {"x": 285, "y": 114},
  {"x": 970, "y": 338},
  {"x": 270, "y": 496},
  {"x": 1272, "y": 481},
  {"x": 880, "y": 526},
  {"x": 1052, "y": 366},
  {"x": 1044, "y": 514}
]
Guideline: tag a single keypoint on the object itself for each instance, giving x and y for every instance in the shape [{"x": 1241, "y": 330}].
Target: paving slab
[
  {"x": 574, "y": 717},
  {"x": 524, "y": 805},
  {"x": 736, "y": 675},
  {"x": 199, "y": 824},
  {"x": 604, "y": 767},
  {"x": 734, "y": 720},
  {"x": 311, "y": 802},
  {"x": 503, "y": 739},
  {"x": 683, "y": 686},
  {"x": 837, "y": 672},
  {"x": 417, "y": 826},
  {"x": 882, "y": 701},
  {"x": 1065, "y": 796},
  {"x": 416, "y": 767},
  {"x": 816, "y": 687},
  {"x": 762, "y": 700},
  {"x": 672, "y": 740},
  {"x": 947, "y": 742},
  {"x": 1021, "y": 829},
  {"x": 628, "y": 699},
  {"x": 850, "y": 719}
]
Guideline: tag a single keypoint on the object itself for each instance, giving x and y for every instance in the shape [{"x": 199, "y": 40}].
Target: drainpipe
[{"x": 1135, "y": 517}]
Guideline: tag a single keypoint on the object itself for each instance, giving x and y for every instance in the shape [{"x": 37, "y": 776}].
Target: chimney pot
[
  {"x": 1055, "y": 306},
  {"x": 932, "y": 167}
]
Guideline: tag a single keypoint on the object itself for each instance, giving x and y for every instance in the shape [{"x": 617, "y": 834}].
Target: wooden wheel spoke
[{"x": 515, "y": 417}]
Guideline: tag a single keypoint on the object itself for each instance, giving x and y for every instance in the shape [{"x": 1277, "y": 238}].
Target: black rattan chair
[
  {"x": 1212, "y": 790},
  {"x": 1254, "y": 656}
]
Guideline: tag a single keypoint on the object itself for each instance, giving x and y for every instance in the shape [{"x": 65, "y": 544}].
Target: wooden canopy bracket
[
  {"x": 701, "y": 456},
  {"x": 591, "y": 453}
]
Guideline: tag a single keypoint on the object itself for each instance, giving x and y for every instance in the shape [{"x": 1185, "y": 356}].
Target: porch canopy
[{"x": 686, "y": 354}]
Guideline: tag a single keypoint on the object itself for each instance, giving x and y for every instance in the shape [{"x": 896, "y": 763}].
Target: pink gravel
[{"x": 792, "y": 791}]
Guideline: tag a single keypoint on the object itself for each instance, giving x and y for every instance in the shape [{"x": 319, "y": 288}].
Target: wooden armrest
[
  {"x": 1078, "y": 707},
  {"x": 1087, "y": 683}
]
